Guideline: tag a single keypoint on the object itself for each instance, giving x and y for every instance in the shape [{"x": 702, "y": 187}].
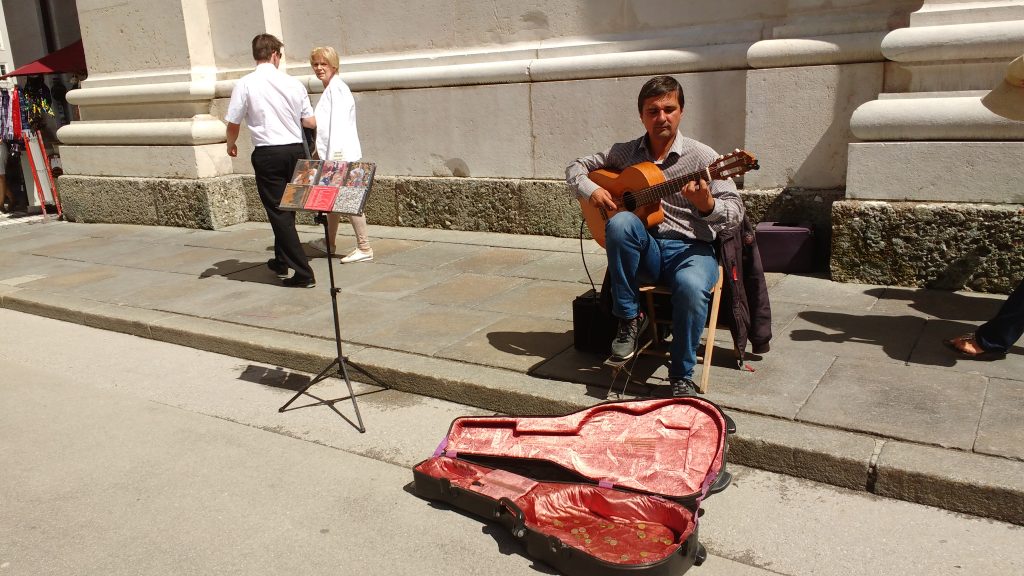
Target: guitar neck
[{"x": 667, "y": 188}]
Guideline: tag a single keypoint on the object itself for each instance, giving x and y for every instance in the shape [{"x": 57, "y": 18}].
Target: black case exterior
[{"x": 550, "y": 549}]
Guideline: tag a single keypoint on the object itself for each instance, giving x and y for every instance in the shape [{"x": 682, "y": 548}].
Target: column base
[
  {"x": 943, "y": 246},
  {"x": 207, "y": 203}
]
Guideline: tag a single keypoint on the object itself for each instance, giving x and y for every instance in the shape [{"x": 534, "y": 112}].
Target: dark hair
[
  {"x": 264, "y": 46},
  {"x": 659, "y": 86}
]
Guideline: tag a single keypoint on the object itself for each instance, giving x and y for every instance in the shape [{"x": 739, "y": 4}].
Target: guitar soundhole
[{"x": 629, "y": 201}]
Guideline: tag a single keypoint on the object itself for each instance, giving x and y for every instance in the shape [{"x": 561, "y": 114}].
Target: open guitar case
[{"x": 612, "y": 489}]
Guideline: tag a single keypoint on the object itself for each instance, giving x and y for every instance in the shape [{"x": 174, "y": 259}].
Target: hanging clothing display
[{"x": 10, "y": 116}]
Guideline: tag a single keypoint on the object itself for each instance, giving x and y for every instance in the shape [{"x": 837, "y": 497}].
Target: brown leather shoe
[{"x": 968, "y": 346}]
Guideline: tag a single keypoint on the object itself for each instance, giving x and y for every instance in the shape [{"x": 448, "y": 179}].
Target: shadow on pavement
[
  {"x": 242, "y": 272},
  {"x": 276, "y": 377}
]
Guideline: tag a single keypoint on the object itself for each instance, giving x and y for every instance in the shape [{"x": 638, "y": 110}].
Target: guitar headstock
[{"x": 733, "y": 164}]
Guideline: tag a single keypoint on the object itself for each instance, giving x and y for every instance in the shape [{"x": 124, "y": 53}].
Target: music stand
[
  {"x": 347, "y": 196},
  {"x": 338, "y": 366}
]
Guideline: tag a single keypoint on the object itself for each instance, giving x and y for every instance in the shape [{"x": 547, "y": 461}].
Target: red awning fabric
[{"x": 70, "y": 58}]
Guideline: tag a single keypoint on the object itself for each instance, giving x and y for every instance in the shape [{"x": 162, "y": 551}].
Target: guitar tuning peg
[{"x": 736, "y": 150}]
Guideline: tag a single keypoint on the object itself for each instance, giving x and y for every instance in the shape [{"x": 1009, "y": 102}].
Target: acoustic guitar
[{"x": 640, "y": 188}]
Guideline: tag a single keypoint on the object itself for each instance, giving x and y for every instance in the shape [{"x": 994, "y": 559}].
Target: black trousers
[
  {"x": 1006, "y": 327},
  {"x": 273, "y": 166}
]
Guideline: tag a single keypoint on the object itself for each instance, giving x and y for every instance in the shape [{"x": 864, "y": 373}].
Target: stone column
[
  {"x": 941, "y": 172},
  {"x": 148, "y": 149}
]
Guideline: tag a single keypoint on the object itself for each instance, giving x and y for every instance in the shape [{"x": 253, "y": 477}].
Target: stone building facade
[{"x": 865, "y": 114}]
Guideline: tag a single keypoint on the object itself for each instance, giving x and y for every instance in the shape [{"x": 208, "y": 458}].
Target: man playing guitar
[{"x": 679, "y": 250}]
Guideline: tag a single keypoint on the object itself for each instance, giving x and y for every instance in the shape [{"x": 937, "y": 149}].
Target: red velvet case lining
[
  {"x": 669, "y": 446},
  {"x": 614, "y": 526}
]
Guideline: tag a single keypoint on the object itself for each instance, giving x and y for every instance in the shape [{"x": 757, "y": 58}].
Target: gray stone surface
[
  {"x": 205, "y": 203},
  {"x": 968, "y": 483},
  {"x": 100, "y": 199},
  {"x": 999, "y": 433},
  {"x": 942, "y": 246},
  {"x": 930, "y": 351},
  {"x": 920, "y": 404},
  {"x": 518, "y": 343},
  {"x": 778, "y": 387},
  {"x": 853, "y": 333},
  {"x": 814, "y": 452},
  {"x": 538, "y": 298},
  {"x": 480, "y": 204},
  {"x": 435, "y": 315}
]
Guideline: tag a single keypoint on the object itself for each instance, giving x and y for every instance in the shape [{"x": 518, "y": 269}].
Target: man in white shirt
[{"x": 275, "y": 107}]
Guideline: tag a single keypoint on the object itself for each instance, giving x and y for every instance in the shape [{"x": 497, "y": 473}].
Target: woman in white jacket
[{"x": 337, "y": 139}]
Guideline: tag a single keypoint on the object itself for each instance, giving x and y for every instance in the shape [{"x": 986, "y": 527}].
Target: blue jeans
[{"x": 688, "y": 267}]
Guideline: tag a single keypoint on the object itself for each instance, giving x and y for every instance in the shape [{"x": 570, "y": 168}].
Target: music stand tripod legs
[{"x": 337, "y": 367}]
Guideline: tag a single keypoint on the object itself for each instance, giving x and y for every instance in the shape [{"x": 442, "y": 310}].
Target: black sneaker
[
  {"x": 683, "y": 387},
  {"x": 277, "y": 268},
  {"x": 295, "y": 282},
  {"x": 628, "y": 336}
]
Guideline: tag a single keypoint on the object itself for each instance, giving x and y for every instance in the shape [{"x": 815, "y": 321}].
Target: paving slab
[
  {"x": 133, "y": 233},
  {"x": 429, "y": 330},
  {"x": 394, "y": 283},
  {"x": 930, "y": 351},
  {"x": 277, "y": 312},
  {"x": 542, "y": 298},
  {"x": 637, "y": 379},
  {"x": 202, "y": 262},
  {"x": 244, "y": 240},
  {"x": 820, "y": 292},
  {"x": 120, "y": 286},
  {"x": 910, "y": 402},
  {"x": 430, "y": 255},
  {"x": 1000, "y": 432},
  {"x": 778, "y": 386},
  {"x": 852, "y": 334},
  {"x": 466, "y": 289},
  {"x": 938, "y": 304},
  {"x": 212, "y": 297},
  {"x": 490, "y": 260},
  {"x": 90, "y": 249},
  {"x": 516, "y": 342},
  {"x": 563, "y": 267}
]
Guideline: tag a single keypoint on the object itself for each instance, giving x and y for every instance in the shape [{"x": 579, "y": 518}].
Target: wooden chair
[{"x": 650, "y": 290}]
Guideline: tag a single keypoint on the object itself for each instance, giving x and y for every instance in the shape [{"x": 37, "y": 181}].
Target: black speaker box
[{"x": 593, "y": 326}]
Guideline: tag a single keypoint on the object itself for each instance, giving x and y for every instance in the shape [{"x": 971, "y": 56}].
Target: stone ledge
[
  {"x": 208, "y": 203},
  {"x": 812, "y": 452},
  {"x": 963, "y": 482}
]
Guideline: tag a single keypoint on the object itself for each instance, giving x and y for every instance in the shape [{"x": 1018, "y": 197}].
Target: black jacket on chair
[{"x": 745, "y": 303}]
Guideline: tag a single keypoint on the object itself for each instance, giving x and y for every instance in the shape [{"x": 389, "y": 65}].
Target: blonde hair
[{"x": 327, "y": 53}]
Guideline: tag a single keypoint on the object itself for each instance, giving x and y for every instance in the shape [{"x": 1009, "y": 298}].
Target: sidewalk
[{"x": 857, "y": 390}]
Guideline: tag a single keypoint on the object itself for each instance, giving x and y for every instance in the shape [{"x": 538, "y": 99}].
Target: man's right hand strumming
[{"x": 601, "y": 198}]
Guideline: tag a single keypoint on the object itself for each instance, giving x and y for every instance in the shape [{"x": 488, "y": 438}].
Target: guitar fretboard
[{"x": 666, "y": 188}]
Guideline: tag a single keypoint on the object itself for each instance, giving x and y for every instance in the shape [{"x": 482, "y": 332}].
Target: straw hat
[{"x": 1007, "y": 99}]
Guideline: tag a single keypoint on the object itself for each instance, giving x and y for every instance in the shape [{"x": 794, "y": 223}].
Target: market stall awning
[{"x": 70, "y": 58}]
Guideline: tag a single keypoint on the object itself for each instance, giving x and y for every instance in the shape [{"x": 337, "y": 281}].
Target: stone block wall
[{"x": 928, "y": 245}]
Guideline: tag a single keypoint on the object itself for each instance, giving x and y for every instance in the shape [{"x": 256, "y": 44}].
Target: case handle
[{"x": 518, "y": 527}]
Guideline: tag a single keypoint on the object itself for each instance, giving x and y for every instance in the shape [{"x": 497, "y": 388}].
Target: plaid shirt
[{"x": 686, "y": 156}]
